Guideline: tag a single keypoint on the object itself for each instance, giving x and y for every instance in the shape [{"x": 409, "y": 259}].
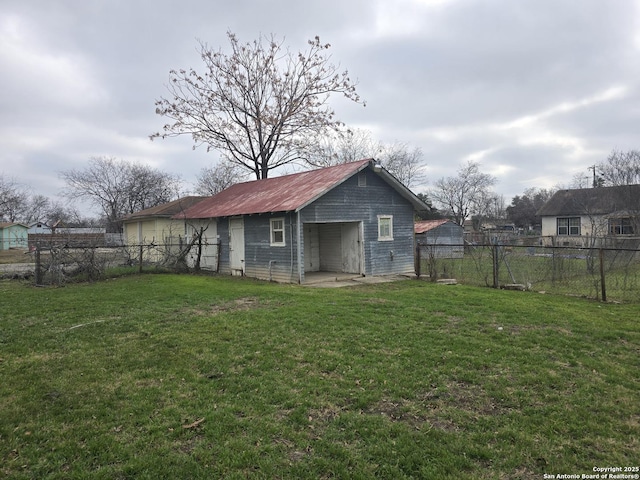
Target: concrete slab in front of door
[{"x": 335, "y": 280}]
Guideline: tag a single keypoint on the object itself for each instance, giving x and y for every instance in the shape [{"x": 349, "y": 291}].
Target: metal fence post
[
  {"x": 494, "y": 251},
  {"x": 602, "y": 283}
]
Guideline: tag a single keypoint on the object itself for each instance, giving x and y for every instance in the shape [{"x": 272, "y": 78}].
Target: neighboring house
[
  {"x": 39, "y": 228},
  {"x": 156, "y": 227},
  {"x": 443, "y": 238},
  {"x": 350, "y": 218},
  {"x": 571, "y": 215},
  {"x": 13, "y": 235}
]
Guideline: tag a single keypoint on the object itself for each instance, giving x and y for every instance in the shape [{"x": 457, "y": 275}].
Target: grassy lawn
[{"x": 179, "y": 376}]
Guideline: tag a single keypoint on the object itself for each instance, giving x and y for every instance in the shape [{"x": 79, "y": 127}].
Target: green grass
[{"x": 179, "y": 376}]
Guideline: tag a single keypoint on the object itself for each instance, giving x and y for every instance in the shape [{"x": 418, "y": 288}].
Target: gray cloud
[{"x": 535, "y": 90}]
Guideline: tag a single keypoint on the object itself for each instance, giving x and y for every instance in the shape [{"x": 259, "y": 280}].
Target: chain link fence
[
  {"x": 600, "y": 270},
  {"x": 606, "y": 269},
  {"x": 56, "y": 263}
]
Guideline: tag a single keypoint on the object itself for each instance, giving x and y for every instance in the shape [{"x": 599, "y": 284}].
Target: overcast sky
[{"x": 536, "y": 91}]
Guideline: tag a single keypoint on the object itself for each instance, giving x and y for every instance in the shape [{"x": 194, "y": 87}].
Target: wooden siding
[
  {"x": 349, "y": 202},
  {"x": 330, "y": 247},
  {"x": 209, "y": 255},
  {"x": 13, "y": 236},
  {"x": 160, "y": 236},
  {"x": 447, "y": 241},
  {"x": 347, "y": 213},
  {"x": 266, "y": 262},
  {"x": 311, "y": 248}
]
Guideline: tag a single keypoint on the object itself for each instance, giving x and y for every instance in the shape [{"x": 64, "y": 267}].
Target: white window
[
  {"x": 569, "y": 226},
  {"x": 362, "y": 179},
  {"x": 277, "y": 232},
  {"x": 385, "y": 227}
]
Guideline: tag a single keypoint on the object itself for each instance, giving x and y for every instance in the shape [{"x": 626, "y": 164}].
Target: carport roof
[{"x": 285, "y": 193}]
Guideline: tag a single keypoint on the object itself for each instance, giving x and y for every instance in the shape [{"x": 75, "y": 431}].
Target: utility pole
[{"x": 595, "y": 183}]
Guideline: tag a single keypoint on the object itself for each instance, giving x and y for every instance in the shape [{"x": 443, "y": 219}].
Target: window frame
[
  {"x": 621, "y": 226},
  {"x": 273, "y": 230},
  {"x": 381, "y": 221},
  {"x": 362, "y": 179},
  {"x": 571, "y": 226}
]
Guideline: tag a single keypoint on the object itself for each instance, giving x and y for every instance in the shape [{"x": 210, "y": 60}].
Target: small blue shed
[
  {"x": 351, "y": 218},
  {"x": 13, "y": 235},
  {"x": 440, "y": 238}
]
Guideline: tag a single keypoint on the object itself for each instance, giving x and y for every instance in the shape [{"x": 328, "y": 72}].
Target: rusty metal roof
[
  {"x": 167, "y": 209},
  {"x": 426, "y": 225},
  {"x": 278, "y": 194}
]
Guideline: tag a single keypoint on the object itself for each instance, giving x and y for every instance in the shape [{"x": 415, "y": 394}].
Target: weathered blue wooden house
[{"x": 350, "y": 218}]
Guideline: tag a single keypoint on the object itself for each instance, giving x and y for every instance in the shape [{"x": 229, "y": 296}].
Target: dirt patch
[
  {"x": 15, "y": 256},
  {"x": 401, "y": 410},
  {"x": 239, "y": 304},
  {"x": 440, "y": 408},
  {"x": 463, "y": 396},
  {"x": 325, "y": 414}
]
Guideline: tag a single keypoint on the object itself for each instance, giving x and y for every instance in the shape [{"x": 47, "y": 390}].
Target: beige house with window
[
  {"x": 155, "y": 230},
  {"x": 571, "y": 216}
]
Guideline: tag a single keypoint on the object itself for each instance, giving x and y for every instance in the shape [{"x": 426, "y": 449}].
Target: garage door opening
[{"x": 333, "y": 247}]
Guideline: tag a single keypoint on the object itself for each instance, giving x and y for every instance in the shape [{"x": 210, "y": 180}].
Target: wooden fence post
[
  {"x": 38, "y": 278},
  {"x": 417, "y": 260},
  {"x": 140, "y": 260}
]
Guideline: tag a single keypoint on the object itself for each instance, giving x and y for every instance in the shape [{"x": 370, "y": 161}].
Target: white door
[
  {"x": 351, "y": 248},
  {"x": 236, "y": 246},
  {"x": 311, "y": 248}
]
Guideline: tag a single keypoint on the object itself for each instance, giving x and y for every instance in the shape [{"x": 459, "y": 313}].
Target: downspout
[
  {"x": 271, "y": 262},
  {"x": 300, "y": 267}
]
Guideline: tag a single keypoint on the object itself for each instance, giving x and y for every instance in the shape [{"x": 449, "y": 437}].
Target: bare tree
[
  {"x": 13, "y": 199},
  {"x": 463, "y": 195},
  {"x": 118, "y": 187},
  {"x": 620, "y": 168},
  {"x": 399, "y": 159},
  {"x": 218, "y": 177},
  {"x": 491, "y": 206},
  {"x": 403, "y": 162},
  {"x": 340, "y": 146},
  {"x": 257, "y": 104}
]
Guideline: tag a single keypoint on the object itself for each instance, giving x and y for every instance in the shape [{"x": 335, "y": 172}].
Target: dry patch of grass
[{"x": 14, "y": 255}]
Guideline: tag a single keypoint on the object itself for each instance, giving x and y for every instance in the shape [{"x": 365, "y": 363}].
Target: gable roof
[
  {"x": 286, "y": 193},
  {"x": 593, "y": 201},
  {"x": 4, "y": 225},
  {"x": 426, "y": 225},
  {"x": 166, "y": 209}
]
